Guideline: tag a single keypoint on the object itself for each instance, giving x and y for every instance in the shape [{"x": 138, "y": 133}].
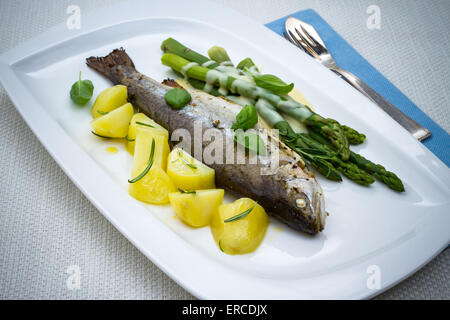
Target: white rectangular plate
[{"x": 369, "y": 229}]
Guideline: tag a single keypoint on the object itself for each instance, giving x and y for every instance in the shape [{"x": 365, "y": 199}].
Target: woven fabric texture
[{"x": 47, "y": 225}]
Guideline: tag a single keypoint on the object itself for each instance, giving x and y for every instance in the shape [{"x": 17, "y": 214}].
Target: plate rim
[{"x": 60, "y": 34}]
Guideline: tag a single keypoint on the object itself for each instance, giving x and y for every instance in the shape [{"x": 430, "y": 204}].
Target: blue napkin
[{"x": 349, "y": 59}]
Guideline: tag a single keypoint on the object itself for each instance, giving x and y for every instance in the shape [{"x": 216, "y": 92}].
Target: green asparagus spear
[
  {"x": 378, "y": 171},
  {"x": 171, "y": 45},
  {"x": 353, "y": 136},
  {"x": 247, "y": 63},
  {"x": 219, "y": 55},
  {"x": 244, "y": 88},
  {"x": 289, "y": 137},
  {"x": 320, "y": 127},
  {"x": 350, "y": 170},
  {"x": 199, "y": 85}
]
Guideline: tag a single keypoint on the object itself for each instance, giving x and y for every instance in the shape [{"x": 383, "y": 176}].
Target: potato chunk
[
  {"x": 115, "y": 123},
  {"x": 140, "y": 122},
  {"x": 188, "y": 173},
  {"x": 108, "y": 100},
  {"x": 155, "y": 186},
  {"x": 142, "y": 153},
  {"x": 243, "y": 235},
  {"x": 196, "y": 208}
]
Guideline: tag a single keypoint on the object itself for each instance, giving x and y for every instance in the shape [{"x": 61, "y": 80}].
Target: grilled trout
[{"x": 291, "y": 194}]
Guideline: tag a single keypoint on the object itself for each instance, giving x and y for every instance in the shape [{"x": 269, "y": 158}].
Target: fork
[{"x": 304, "y": 36}]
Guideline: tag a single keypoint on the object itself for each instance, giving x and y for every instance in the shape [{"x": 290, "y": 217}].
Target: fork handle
[{"x": 419, "y": 132}]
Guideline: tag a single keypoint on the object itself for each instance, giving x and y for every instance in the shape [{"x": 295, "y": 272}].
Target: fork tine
[
  {"x": 293, "y": 41},
  {"x": 311, "y": 45},
  {"x": 301, "y": 43},
  {"x": 288, "y": 39},
  {"x": 307, "y": 36},
  {"x": 296, "y": 40},
  {"x": 304, "y": 39},
  {"x": 313, "y": 41}
]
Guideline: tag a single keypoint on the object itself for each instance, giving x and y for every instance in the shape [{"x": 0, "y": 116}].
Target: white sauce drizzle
[
  {"x": 186, "y": 68},
  {"x": 208, "y": 87},
  {"x": 240, "y": 100},
  {"x": 219, "y": 76},
  {"x": 254, "y": 69},
  {"x": 226, "y": 63},
  {"x": 208, "y": 63}
]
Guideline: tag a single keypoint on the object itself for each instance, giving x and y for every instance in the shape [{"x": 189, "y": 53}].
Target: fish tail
[{"x": 109, "y": 65}]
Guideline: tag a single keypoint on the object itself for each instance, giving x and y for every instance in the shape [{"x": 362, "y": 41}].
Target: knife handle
[{"x": 419, "y": 132}]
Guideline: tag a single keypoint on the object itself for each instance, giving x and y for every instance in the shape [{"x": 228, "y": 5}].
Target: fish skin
[{"x": 292, "y": 194}]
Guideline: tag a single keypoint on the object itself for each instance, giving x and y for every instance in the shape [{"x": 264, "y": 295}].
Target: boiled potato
[
  {"x": 142, "y": 152},
  {"x": 108, "y": 100},
  {"x": 195, "y": 208},
  {"x": 188, "y": 173},
  {"x": 115, "y": 123},
  {"x": 241, "y": 235},
  {"x": 135, "y": 127},
  {"x": 155, "y": 186}
]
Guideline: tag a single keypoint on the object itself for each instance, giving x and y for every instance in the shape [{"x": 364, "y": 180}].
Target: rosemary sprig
[
  {"x": 240, "y": 215},
  {"x": 188, "y": 163},
  {"x": 144, "y": 124},
  {"x": 128, "y": 139},
  {"x": 187, "y": 191},
  {"x": 99, "y": 135},
  {"x": 102, "y": 112},
  {"x": 149, "y": 165}
]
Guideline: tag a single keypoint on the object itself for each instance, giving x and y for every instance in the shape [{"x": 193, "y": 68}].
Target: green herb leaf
[
  {"x": 102, "y": 112},
  {"x": 177, "y": 98},
  {"x": 239, "y": 216},
  {"x": 128, "y": 139},
  {"x": 81, "y": 91},
  {"x": 149, "y": 165},
  {"x": 246, "y": 118},
  {"x": 250, "y": 141},
  {"x": 188, "y": 163},
  {"x": 218, "y": 54},
  {"x": 272, "y": 83},
  {"x": 187, "y": 191},
  {"x": 99, "y": 135},
  {"x": 245, "y": 64},
  {"x": 144, "y": 124}
]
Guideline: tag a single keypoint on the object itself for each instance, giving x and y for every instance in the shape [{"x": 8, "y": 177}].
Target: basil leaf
[
  {"x": 81, "y": 91},
  {"x": 177, "y": 98},
  {"x": 272, "y": 83},
  {"x": 244, "y": 64},
  {"x": 250, "y": 141},
  {"x": 246, "y": 118}
]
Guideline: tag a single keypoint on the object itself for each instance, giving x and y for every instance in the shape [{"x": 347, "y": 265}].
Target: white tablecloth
[{"x": 47, "y": 225}]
